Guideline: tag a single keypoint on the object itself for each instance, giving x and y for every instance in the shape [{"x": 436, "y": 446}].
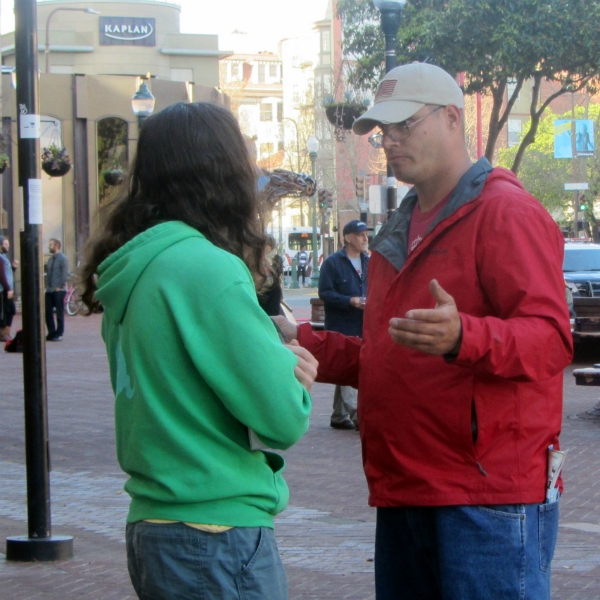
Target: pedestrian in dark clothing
[
  {"x": 343, "y": 289},
  {"x": 271, "y": 294},
  {"x": 302, "y": 257},
  {"x": 57, "y": 271},
  {"x": 7, "y": 288}
]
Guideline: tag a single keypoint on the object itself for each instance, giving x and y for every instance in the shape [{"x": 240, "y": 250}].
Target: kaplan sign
[{"x": 127, "y": 31}]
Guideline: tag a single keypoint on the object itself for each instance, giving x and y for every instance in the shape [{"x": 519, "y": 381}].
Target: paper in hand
[{"x": 556, "y": 459}]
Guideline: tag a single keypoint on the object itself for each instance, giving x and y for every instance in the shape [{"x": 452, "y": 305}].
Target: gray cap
[{"x": 407, "y": 89}]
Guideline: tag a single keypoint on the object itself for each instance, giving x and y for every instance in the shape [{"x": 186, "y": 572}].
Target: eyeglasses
[{"x": 401, "y": 131}]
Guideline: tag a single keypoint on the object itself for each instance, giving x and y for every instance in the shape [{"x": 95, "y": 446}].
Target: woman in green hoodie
[{"x": 196, "y": 366}]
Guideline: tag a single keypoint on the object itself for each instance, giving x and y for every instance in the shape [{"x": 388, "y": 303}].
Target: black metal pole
[
  {"x": 39, "y": 545},
  {"x": 390, "y": 22}
]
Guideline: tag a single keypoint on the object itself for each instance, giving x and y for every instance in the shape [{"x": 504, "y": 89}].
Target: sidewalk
[{"x": 325, "y": 535}]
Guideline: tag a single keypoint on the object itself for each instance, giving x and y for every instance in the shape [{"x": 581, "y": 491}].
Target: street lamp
[
  {"x": 390, "y": 22},
  {"x": 90, "y": 11},
  {"x": 312, "y": 145},
  {"x": 142, "y": 103}
]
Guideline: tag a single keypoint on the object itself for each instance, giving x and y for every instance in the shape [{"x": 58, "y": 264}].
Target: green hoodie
[{"x": 194, "y": 363}]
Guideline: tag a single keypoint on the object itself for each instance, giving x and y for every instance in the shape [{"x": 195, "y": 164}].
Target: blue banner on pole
[{"x": 584, "y": 138}]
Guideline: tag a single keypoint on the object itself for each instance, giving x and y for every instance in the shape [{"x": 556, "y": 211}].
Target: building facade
[{"x": 96, "y": 63}]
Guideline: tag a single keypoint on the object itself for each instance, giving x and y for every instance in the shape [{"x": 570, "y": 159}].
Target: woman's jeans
[
  {"x": 175, "y": 562},
  {"x": 465, "y": 552}
]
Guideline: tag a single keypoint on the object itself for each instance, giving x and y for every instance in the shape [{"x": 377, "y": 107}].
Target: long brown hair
[{"x": 192, "y": 165}]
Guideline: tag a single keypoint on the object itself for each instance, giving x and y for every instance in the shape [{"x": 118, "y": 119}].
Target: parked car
[{"x": 581, "y": 269}]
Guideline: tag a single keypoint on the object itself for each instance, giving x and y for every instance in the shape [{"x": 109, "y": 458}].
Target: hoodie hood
[{"x": 119, "y": 273}]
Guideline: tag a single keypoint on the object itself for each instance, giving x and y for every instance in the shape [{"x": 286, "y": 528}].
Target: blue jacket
[{"x": 338, "y": 282}]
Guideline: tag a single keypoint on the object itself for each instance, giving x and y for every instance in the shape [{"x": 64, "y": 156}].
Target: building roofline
[
  {"x": 153, "y": 2},
  {"x": 194, "y": 52},
  {"x": 8, "y": 50}
]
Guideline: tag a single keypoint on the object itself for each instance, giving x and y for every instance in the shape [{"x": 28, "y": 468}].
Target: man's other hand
[
  {"x": 432, "y": 331},
  {"x": 357, "y": 302}
]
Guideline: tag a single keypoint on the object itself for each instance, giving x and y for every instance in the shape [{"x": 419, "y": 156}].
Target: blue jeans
[
  {"x": 465, "y": 552},
  {"x": 172, "y": 561}
]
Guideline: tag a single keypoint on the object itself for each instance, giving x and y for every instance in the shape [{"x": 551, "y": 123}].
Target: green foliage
[
  {"x": 545, "y": 176},
  {"x": 491, "y": 41}
]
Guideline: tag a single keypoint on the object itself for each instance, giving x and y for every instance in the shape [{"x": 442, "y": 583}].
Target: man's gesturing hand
[{"x": 433, "y": 331}]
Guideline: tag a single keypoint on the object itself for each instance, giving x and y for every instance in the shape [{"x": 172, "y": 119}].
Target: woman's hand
[{"x": 306, "y": 369}]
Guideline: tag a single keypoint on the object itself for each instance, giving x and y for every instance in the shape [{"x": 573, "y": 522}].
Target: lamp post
[
  {"x": 90, "y": 11},
  {"x": 39, "y": 544},
  {"x": 312, "y": 145},
  {"x": 390, "y": 22},
  {"x": 142, "y": 103}
]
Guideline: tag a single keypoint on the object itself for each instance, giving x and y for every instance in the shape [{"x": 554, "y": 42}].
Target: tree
[
  {"x": 492, "y": 42},
  {"x": 544, "y": 176}
]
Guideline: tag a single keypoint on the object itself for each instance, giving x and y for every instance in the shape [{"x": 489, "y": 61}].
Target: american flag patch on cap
[{"x": 386, "y": 88}]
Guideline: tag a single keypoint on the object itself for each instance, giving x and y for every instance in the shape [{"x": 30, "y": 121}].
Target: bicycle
[{"x": 73, "y": 303}]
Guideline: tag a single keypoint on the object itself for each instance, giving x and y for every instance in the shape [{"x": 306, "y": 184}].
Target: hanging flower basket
[
  {"x": 113, "y": 177},
  {"x": 343, "y": 115},
  {"x": 55, "y": 161}
]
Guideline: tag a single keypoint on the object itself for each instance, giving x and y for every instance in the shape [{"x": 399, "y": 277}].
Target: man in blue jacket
[{"x": 343, "y": 289}]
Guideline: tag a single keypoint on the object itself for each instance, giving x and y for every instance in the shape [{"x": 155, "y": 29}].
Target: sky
[{"x": 264, "y": 22}]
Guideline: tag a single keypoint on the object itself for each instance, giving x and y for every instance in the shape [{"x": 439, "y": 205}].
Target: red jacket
[{"x": 474, "y": 430}]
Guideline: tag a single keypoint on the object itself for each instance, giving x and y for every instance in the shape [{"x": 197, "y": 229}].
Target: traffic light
[
  {"x": 328, "y": 200},
  {"x": 323, "y": 198},
  {"x": 582, "y": 202},
  {"x": 359, "y": 184}
]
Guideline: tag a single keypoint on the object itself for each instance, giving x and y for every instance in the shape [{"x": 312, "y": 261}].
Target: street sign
[
  {"x": 576, "y": 186},
  {"x": 377, "y": 199}
]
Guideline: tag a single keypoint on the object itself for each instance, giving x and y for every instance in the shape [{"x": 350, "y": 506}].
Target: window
[
  {"x": 266, "y": 149},
  {"x": 280, "y": 147},
  {"x": 279, "y": 112},
  {"x": 235, "y": 71},
  {"x": 112, "y": 154},
  {"x": 261, "y": 73},
  {"x": 273, "y": 70},
  {"x": 266, "y": 112},
  {"x": 514, "y": 132},
  {"x": 325, "y": 41},
  {"x": 297, "y": 240},
  {"x": 511, "y": 84}
]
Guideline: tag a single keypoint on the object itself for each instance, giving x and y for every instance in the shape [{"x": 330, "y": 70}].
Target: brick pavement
[{"x": 325, "y": 536}]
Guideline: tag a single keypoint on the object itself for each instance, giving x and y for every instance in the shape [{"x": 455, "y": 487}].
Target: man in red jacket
[{"x": 466, "y": 335}]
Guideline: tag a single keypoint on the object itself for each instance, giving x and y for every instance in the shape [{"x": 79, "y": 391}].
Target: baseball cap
[
  {"x": 356, "y": 226},
  {"x": 407, "y": 89}
]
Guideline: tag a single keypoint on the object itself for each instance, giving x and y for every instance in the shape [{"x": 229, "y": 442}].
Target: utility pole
[
  {"x": 39, "y": 545},
  {"x": 575, "y": 179}
]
